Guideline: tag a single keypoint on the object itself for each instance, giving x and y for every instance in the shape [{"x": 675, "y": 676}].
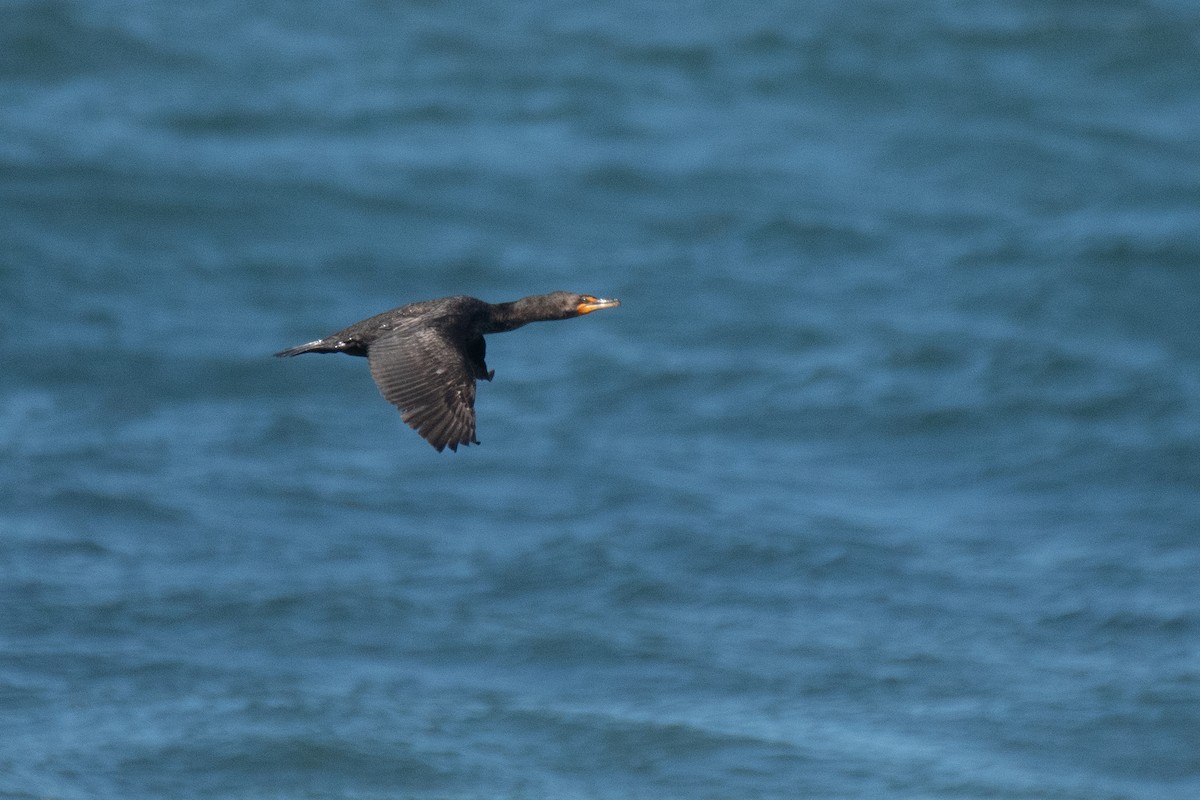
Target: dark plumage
[{"x": 425, "y": 357}]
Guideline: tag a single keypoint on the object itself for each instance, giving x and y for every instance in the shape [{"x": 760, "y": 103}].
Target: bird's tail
[{"x": 318, "y": 346}]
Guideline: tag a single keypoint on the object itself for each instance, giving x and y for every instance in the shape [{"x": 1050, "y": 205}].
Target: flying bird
[{"x": 425, "y": 357}]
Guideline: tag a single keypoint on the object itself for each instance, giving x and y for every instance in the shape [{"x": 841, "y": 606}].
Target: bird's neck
[
  {"x": 505, "y": 317},
  {"x": 510, "y": 316}
]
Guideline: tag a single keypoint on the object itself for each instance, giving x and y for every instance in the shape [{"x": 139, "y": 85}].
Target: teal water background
[{"x": 884, "y": 482}]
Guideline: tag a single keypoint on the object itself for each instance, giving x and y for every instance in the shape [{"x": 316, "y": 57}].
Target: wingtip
[{"x": 454, "y": 445}]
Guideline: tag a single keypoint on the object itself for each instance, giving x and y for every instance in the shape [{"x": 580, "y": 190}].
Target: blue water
[{"x": 884, "y": 482}]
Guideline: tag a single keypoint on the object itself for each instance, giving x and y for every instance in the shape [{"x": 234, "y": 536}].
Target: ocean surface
[{"x": 884, "y": 481}]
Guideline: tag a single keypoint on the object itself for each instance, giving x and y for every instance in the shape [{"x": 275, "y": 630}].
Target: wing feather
[{"x": 425, "y": 375}]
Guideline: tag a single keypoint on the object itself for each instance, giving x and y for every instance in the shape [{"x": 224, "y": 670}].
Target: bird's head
[
  {"x": 586, "y": 303},
  {"x": 564, "y": 305}
]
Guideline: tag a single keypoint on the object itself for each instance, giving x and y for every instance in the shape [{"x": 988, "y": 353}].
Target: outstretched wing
[{"x": 427, "y": 377}]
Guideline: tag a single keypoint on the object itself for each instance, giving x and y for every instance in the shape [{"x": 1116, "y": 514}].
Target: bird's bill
[{"x": 591, "y": 304}]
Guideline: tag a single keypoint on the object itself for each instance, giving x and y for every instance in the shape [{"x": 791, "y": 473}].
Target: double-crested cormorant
[{"x": 426, "y": 356}]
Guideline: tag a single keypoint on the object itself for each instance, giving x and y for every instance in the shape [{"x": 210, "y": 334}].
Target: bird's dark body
[
  {"x": 458, "y": 319},
  {"x": 426, "y": 356}
]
